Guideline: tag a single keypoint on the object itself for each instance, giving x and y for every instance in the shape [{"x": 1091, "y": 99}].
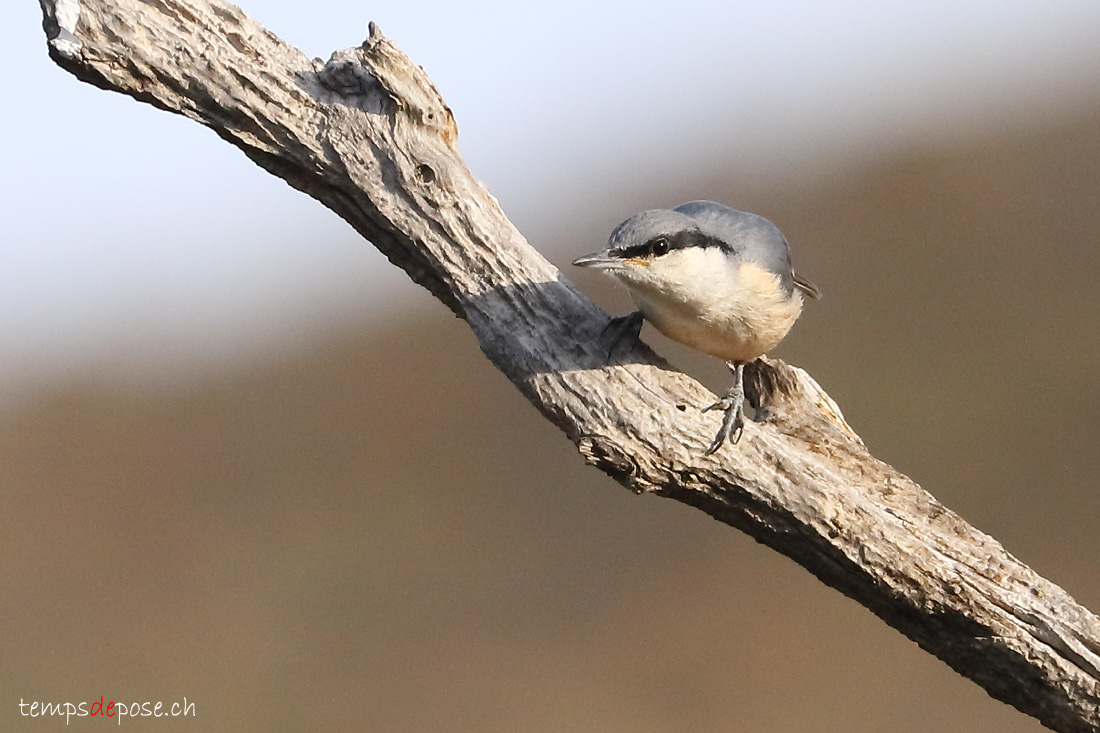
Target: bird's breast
[{"x": 733, "y": 315}]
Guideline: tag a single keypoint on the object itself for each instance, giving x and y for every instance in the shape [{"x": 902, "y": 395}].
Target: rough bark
[{"x": 368, "y": 135}]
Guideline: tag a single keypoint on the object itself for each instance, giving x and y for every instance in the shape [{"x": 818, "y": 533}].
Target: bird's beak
[{"x": 601, "y": 260}]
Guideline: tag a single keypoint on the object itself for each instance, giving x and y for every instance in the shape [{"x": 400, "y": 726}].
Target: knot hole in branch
[
  {"x": 602, "y": 453},
  {"x": 425, "y": 174}
]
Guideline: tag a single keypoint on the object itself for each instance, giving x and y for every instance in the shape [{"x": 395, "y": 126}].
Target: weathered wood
[{"x": 368, "y": 135}]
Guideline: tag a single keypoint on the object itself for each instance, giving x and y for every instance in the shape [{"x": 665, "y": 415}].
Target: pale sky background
[{"x": 133, "y": 239}]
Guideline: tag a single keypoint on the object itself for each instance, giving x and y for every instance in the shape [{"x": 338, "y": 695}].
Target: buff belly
[{"x": 742, "y": 323}]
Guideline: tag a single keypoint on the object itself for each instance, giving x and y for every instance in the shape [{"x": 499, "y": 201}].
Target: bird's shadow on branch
[{"x": 581, "y": 336}]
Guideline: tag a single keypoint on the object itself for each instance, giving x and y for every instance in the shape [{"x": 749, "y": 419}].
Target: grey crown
[{"x": 708, "y": 224}]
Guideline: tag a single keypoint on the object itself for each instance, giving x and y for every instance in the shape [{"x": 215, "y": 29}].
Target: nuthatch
[{"x": 713, "y": 278}]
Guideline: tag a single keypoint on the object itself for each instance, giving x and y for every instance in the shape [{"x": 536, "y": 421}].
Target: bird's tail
[{"x": 806, "y": 287}]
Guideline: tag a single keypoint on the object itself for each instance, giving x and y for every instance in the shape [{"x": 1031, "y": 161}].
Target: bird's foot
[
  {"x": 733, "y": 423},
  {"x": 622, "y": 330},
  {"x": 732, "y": 407}
]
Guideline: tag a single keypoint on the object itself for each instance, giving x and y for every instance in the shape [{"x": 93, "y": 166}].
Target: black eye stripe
[
  {"x": 663, "y": 244},
  {"x": 635, "y": 251}
]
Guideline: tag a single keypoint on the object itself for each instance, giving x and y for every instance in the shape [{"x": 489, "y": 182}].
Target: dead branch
[{"x": 367, "y": 134}]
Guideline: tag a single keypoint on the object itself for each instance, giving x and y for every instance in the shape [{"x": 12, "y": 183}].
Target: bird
[{"x": 712, "y": 278}]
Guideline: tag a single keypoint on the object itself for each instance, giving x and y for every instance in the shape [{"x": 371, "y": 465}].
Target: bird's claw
[
  {"x": 733, "y": 424},
  {"x": 732, "y": 406}
]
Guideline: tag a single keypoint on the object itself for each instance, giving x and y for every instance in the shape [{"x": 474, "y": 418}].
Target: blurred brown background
[
  {"x": 376, "y": 532},
  {"x": 370, "y": 529}
]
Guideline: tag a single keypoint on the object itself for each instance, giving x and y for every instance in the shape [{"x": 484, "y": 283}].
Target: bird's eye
[{"x": 659, "y": 247}]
